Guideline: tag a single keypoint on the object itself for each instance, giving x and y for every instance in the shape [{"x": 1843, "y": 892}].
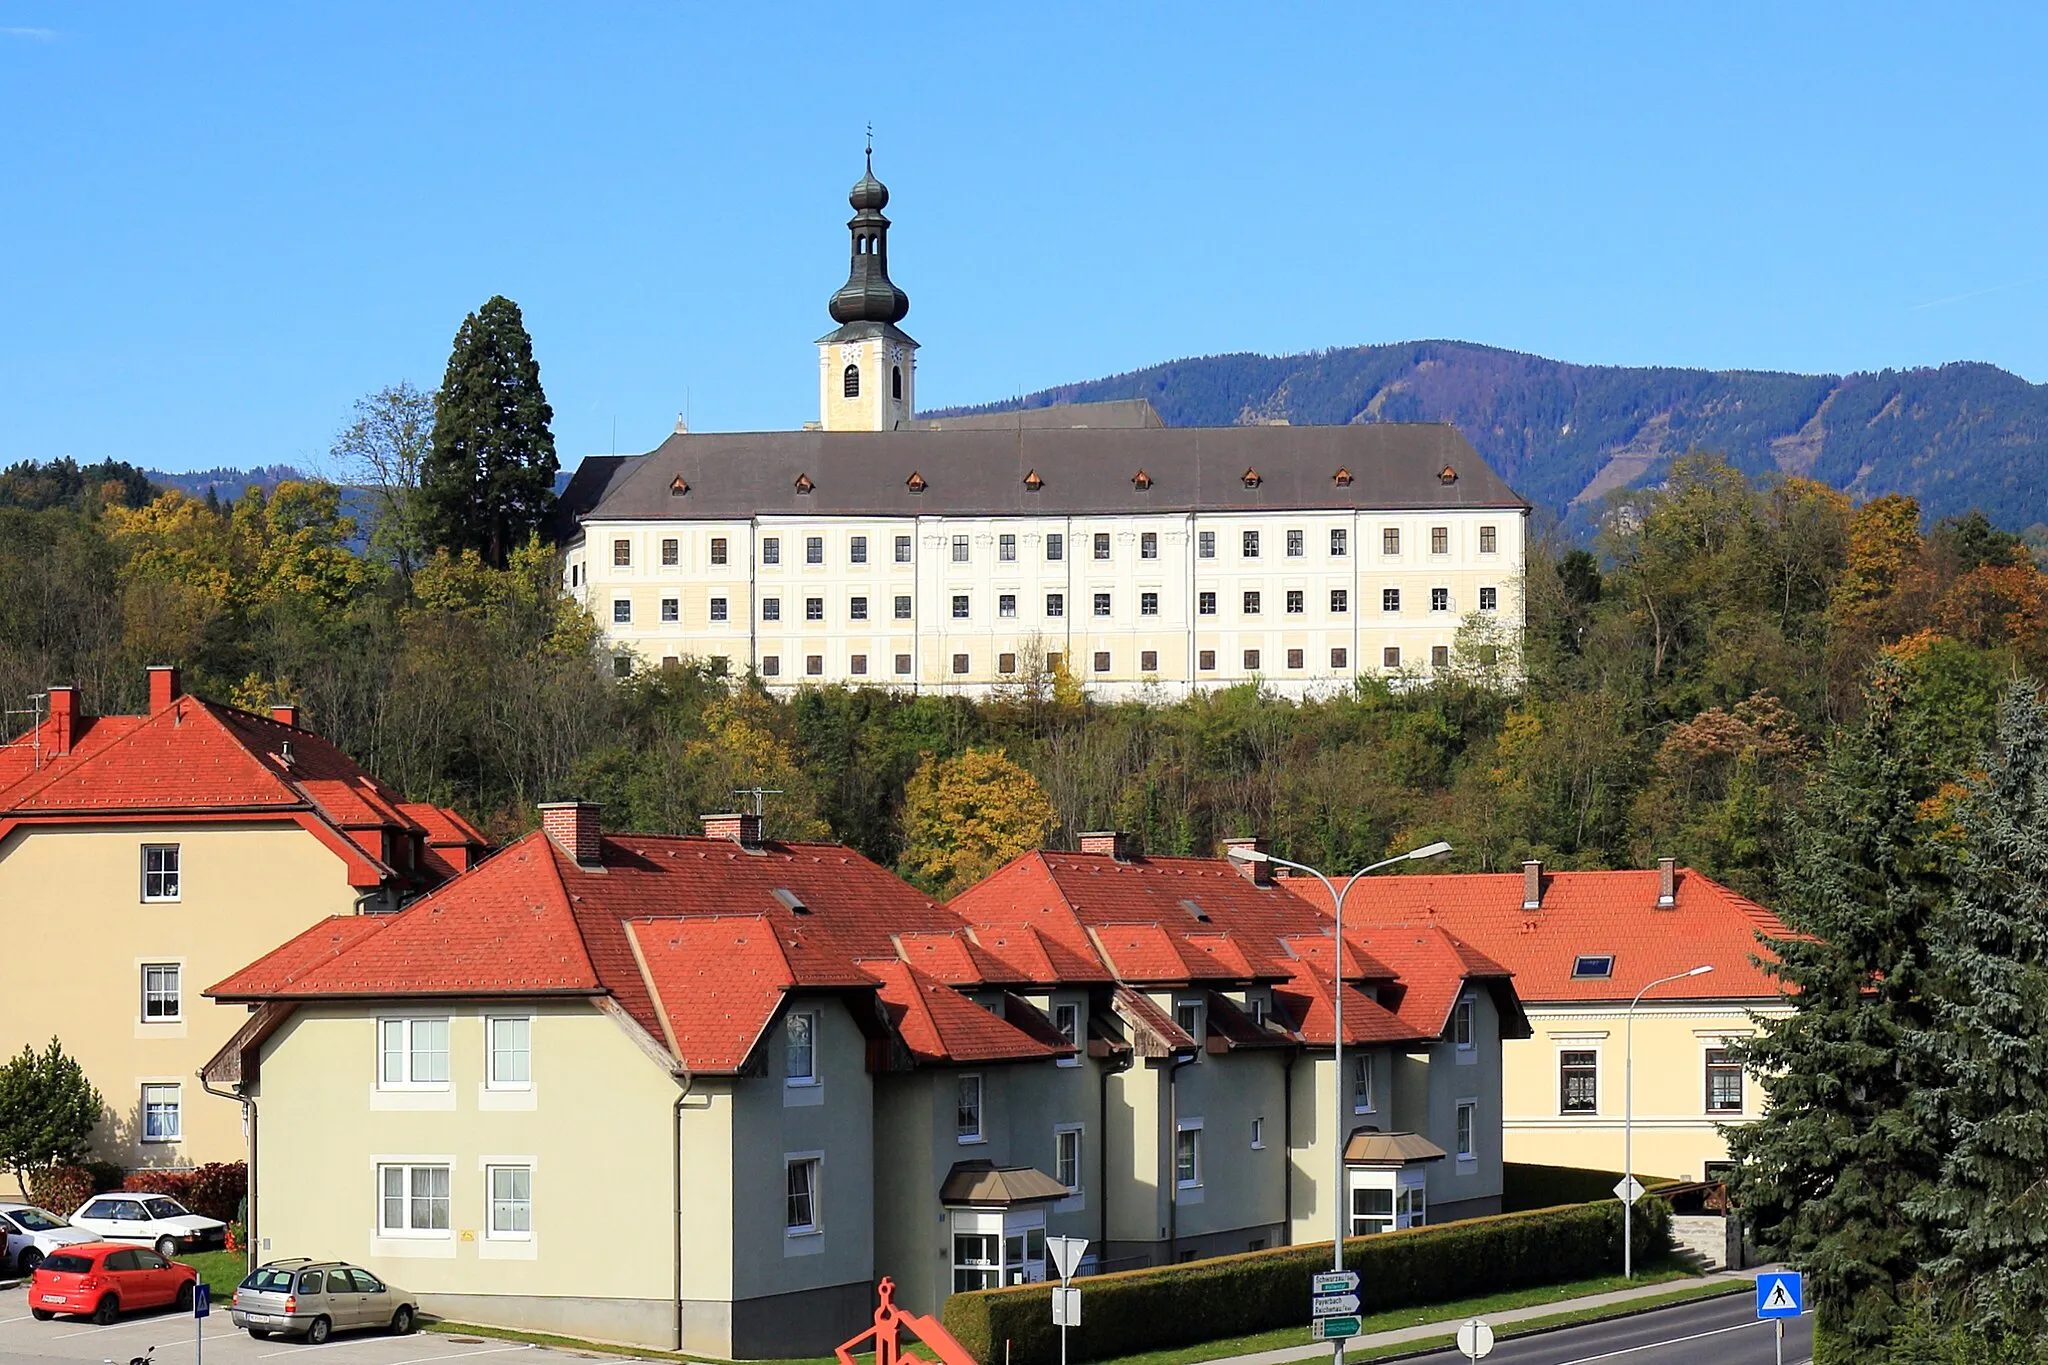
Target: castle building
[{"x": 969, "y": 554}]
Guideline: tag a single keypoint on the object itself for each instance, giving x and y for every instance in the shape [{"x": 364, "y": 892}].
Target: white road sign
[
  {"x": 1066, "y": 1307},
  {"x": 1336, "y": 1281},
  {"x": 1475, "y": 1339},
  {"x": 1330, "y": 1305},
  {"x": 1628, "y": 1189},
  {"x": 1065, "y": 1254}
]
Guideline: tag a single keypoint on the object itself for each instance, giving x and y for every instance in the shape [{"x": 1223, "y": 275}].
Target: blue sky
[{"x": 220, "y": 224}]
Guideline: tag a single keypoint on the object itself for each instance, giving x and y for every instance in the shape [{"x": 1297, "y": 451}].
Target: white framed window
[
  {"x": 1468, "y": 1130},
  {"x": 1259, "y": 1133},
  {"x": 856, "y": 608},
  {"x": 1439, "y": 599},
  {"x": 1578, "y": 1081},
  {"x": 622, "y": 611},
  {"x": 1006, "y": 548},
  {"x": 1461, "y": 1025},
  {"x": 1187, "y": 1154},
  {"x": 1250, "y": 545},
  {"x": 671, "y": 553},
  {"x": 412, "y": 1054},
  {"x": 1055, "y": 546},
  {"x": 719, "y": 610},
  {"x": 160, "y": 872},
  {"x": 718, "y": 549},
  {"x": 800, "y": 1048},
  {"x": 814, "y": 549},
  {"x": 163, "y": 1117},
  {"x": 1006, "y": 604},
  {"x": 901, "y": 608},
  {"x": 622, "y": 554},
  {"x": 1205, "y": 545},
  {"x": 412, "y": 1200},
  {"x": 1055, "y": 604},
  {"x": 857, "y": 549},
  {"x": 1361, "y": 1083},
  {"x": 1188, "y": 1014},
  {"x": 1102, "y": 545},
  {"x": 1258, "y": 1003},
  {"x": 1067, "y": 1020},
  {"x": 1066, "y": 1156},
  {"x": 163, "y": 996},
  {"x": 511, "y": 1047},
  {"x": 802, "y": 1216},
  {"x": 903, "y": 549},
  {"x": 1724, "y": 1082},
  {"x": 1148, "y": 604},
  {"x": 960, "y": 549},
  {"x": 1489, "y": 599},
  {"x": 1372, "y": 1210},
  {"x": 771, "y": 609},
  {"x": 1340, "y": 542},
  {"x": 1102, "y": 604},
  {"x": 771, "y": 549},
  {"x": 1148, "y": 545},
  {"x": 968, "y": 1111},
  {"x": 960, "y": 606},
  {"x": 1487, "y": 540},
  {"x": 511, "y": 1191}
]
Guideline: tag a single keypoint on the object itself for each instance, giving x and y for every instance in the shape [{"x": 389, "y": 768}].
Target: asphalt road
[{"x": 1716, "y": 1332}]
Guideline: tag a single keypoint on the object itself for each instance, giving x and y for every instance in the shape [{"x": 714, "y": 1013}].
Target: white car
[
  {"x": 27, "y": 1234},
  {"x": 155, "y": 1220}
]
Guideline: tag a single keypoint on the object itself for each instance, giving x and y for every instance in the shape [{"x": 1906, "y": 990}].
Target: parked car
[
  {"x": 319, "y": 1297},
  {"x": 27, "y": 1234},
  {"x": 153, "y": 1219},
  {"x": 103, "y": 1280}
]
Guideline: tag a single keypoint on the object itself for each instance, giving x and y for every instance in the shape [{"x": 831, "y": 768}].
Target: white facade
[{"x": 1130, "y": 604}]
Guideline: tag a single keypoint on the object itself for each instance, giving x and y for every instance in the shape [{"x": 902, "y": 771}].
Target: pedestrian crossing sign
[{"x": 1780, "y": 1294}]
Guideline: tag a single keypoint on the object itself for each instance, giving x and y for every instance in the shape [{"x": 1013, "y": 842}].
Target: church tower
[{"x": 867, "y": 366}]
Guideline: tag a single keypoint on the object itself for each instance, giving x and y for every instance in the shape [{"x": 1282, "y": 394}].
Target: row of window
[
  {"x": 1578, "y": 1082},
  {"x": 1252, "y": 603},
  {"x": 413, "y": 1200},
  {"x": 412, "y": 1053},
  {"x": 1250, "y": 546},
  {"x": 962, "y": 664}
]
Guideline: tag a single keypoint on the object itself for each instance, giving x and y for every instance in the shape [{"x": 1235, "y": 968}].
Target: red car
[{"x": 102, "y": 1280}]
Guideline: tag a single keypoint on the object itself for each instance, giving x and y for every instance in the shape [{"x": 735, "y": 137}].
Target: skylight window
[{"x": 1593, "y": 967}]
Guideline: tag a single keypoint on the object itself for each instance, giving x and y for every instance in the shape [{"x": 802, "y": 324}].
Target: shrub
[
  {"x": 214, "y": 1190},
  {"x": 60, "y": 1189},
  {"x": 106, "y": 1175},
  {"x": 1198, "y": 1301}
]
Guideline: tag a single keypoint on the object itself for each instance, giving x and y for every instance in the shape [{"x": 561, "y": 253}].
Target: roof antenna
[{"x": 759, "y": 794}]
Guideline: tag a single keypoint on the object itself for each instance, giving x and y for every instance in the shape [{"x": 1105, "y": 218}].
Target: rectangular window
[
  {"x": 1489, "y": 599},
  {"x": 163, "y": 996},
  {"x": 622, "y": 611},
  {"x": 1055, "y": 604},
  {"x": 1006, "y": 549},
  {"x": 1250, "y": 545},
  {"x": 719, "y": 610},
  {"x": 1468, "y": 1124},
  {"x": 814, "y": 549},
  {"x": 622, "y": 554},
  {"x": 162, "y": 1120},
  {"x": 1251, "y": 602},
  {"x": 413, "y": 1201},
  {"x": 1390, "y": 541},
  {"x": 511, "y": 1053},
  {"x": 1102, "y": 604},
  {"x": 1361, "y": 1084},
  {"x": 511, "y": 1202},
  {"x": 1461, "y": 1025},
  {"x": 1187, "y": 1158},
  {"x": 1054, "y": 661},
  {"x": 1295, "y": 544},
  {"x": 1006, "y": 663},
  {"x": 1294, "y": 658},
  {"x": 1148, "y": 661},
  {"x": 575, "y": 575},
  {"x": 671, "y": 609},
  {"x": 1205, "y": 603},
  {"x": 800, "y": 1048},
  {"x": 1340, "y": 542},
  {"x": 1578, "y": 1082},
  {"x": 1340, "y": 601},
  {"x": 1372, "y": 1210},
  {"x": 903, "y": 549},
  {"x": 1066, "y": 1021},
  {"x": 959, "y": 663},
  {"x": 857, "y": 664},
  {"x": 1486, "y": 540},
  {"x": 1205, "y": 545},
  {"x": 802, "y": 1214},
  {"x": 1439, "y": 656},
  {"x": 960, "y": 550},
  {"x": 1066, "y": 1158},
  {"x": 1102, "y": 545},
  {"x": 1148, "y": 545},
  {"x": 1296, "y": 602},
  {"x": 1390, "y": 657},
  {"x": 1340, "y": 657},
  {"x": 903, "y": 665},
  {"x": 959, "y": 606},
  {"x": 902, "y": 608},
  {"x": 771, "y": 549},
  {"x": 1390, "y": 599},
  {"x": 1258, "y": 1138},
  {"x": 412, "y": 1054},
  {"x": 1148, "y": 604},
  {"x": 1439, "y": 599},
  {"x": 1055, "y": 546},
  {"x": 1439, "y": 540},
  {"x": 771, "y": 665},
  {"x": 718, "y": 551},
  {"x": 671, "y": 552},
  {"x": 856, "y": 608},
  {"x": 1205, "y": 659},
  {"x": 1102, "y": 661},
  {"x": 857, "y": 550},
  {"x": 1006, "y": 604},
  {"x": 1251, "y": 661},
  {"x": 967, "y": 1115},
  {"x": 771, "y": 609},
  {"x": 1724, "y": 1083}
]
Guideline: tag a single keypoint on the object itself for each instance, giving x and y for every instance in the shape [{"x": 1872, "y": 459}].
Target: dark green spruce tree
[
  {"x": 1988, "y": 1051},
  {"x": 1827, "y": 1173},
  {"x": 489, "y": 480}
]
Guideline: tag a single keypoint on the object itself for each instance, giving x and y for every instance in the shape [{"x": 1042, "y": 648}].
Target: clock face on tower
[{"x": 849, "y": 354}]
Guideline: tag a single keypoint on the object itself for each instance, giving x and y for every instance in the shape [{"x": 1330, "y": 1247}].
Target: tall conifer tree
[
  {"x": 489, "y": 480},
  {"x": 1988, "y": 1054},
  {"x": 1843, "y": 1146}
]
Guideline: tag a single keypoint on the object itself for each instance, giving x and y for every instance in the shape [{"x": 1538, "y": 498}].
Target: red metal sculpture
[{"x": 889, "y": 1319}]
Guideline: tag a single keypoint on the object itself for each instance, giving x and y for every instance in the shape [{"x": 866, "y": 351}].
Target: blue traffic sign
[
  {"x": 202, "y": 1299},
  {"x": 1780, "y": 1294}
]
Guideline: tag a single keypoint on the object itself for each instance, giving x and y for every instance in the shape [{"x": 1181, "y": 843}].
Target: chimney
[
  {"x": 285, "y": 715},
  {"x": 164, "y": 687},
  {"x": 1259, "y": 873},
  {"x": 63, "y": 718},
  {"x": 1532, "y": 884},
  {"x": 574, "y": 827},
  {"x": 1116, "y": 843},
  {"x": 742, "y": 827},
  {"x": 1667, "y": 883}
]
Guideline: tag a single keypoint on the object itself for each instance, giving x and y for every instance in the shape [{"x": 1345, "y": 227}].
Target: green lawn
[{"x": 222, "y": 1271}]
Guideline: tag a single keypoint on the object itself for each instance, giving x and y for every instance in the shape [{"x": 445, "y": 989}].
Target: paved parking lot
[{"x": 23, "y": 1339}]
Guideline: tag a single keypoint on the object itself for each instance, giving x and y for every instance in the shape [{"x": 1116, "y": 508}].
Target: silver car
[{"x": 317, "y": 1298}]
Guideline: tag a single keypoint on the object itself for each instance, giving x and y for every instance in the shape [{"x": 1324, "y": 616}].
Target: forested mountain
[{"x": 1960, "y": 437}]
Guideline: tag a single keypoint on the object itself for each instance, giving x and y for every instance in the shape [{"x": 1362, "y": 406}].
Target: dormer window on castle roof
[
  {"x": 804, "y": 484},
  {"x": 1343, "y": 478},
  {"x": 676, "y": 487},
  {"x": 1033, "y": 482},
  {"x": 1141, "y": 481},
  {"x": 1251, "y": 478},
  {"x": 915, "y": 483}
]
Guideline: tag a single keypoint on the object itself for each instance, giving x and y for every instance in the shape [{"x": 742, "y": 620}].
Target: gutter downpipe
[
  {"x": 1172, "y": 1155},
  {"x": 249, "y": 1117},
  {"x": 676, "y": 1150}
]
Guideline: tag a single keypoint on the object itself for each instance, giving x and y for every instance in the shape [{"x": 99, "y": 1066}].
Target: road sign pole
[{"x": 1781, "y": 1342}]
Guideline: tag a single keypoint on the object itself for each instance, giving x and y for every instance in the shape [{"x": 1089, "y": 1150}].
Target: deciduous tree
[{"x": 965, "y": 817}]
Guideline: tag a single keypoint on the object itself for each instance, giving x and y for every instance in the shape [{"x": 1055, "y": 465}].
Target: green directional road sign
[{"x": 1332, "y": 1329}]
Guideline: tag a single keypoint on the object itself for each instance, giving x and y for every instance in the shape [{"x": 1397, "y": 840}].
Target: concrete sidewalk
[{"x": 1421, "y": 1332}]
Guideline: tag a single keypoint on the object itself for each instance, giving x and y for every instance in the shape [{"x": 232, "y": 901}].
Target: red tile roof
[
  {"x": 1306, "y": 998},
  {"x": 939, "y": 1024}
]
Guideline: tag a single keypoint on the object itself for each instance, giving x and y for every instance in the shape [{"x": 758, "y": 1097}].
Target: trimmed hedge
[
  {"x": 1258, "y": 1291},
  {"x": 1525, "y": 1185},
  {"x": 214, "y": 1190}
]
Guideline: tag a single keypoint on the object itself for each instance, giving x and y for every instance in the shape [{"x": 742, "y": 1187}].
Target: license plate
[{"x": 53, "y": 1298}]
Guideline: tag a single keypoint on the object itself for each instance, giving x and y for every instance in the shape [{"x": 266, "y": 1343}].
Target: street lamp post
[
  {"x": 1628, "y": 1116},
  {"x": 1246, "y": 854}
]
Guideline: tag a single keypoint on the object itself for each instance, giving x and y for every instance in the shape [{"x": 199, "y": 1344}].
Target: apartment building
[
  {"x": 144, "y": 856},
  {"x": 765, "y": 1074}
]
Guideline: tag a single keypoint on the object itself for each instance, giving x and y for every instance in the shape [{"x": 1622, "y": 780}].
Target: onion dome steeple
[{"x": 869, "y": 296}]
